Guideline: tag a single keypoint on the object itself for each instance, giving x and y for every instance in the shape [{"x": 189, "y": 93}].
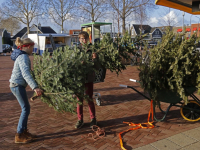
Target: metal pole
[
  {"x": 190, "y": 26},
  {"x": 118, "y": 18},
  {"x": 113, "y": 25},
  {"x": 111, "y": 30},
  {"x": 183, "y": 20},
  {"x": 198, "y": 27},
  {"x": 37, "y": 52},
  {"x": 183, "y": 24},
  {"x": 92, "y": 33},
  {"x": 104, "y": 27}
]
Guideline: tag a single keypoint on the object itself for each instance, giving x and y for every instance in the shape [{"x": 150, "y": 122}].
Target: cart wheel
[{"x": 189, "y": 114}]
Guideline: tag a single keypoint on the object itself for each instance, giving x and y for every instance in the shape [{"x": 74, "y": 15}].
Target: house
[
  {"x": 137, "y": 30},
  {"x": 186, "y": 28},
  {"x": 156, "y": 34},
  {"x": 34, "y": 29},
  {"x": 5, "y": 37},
  {"x": 74, "y": 36},
  {"x": 153, "y": 33},
  {"x": 163, "y": 29},
  {"x": 195, "y": 28}
]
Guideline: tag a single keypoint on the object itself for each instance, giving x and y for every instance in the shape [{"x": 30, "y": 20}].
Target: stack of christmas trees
[{"x": 174, "y": 65}]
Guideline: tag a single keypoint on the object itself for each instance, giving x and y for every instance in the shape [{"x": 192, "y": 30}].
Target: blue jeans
[{"x": 20, "y": 94}]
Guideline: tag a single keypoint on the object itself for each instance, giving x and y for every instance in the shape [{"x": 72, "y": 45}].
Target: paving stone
[
  {"x": 165, "y": 145},
  {"x": 56, "y": 130},
  {"x": 194, "y": 146},
  {"x": 181, "y": 139},
  {"x": 146, "y": 147},
  {"x": 194, "y": 133}
]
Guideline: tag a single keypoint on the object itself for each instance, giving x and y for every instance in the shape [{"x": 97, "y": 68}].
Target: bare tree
[
  {"x": 92, "y": 9},
  {"x": 1, "y": 16},
  {"x": 141, "y": 15},
  {"x": 169, "y": 17},
  {"x": 10, "y": 24},
  {"x": 22, "y": 10},
  {"x": 125, "y": 8},
  {"x": 61, "y": 10}
]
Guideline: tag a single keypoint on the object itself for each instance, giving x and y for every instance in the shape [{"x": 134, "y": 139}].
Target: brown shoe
[
  {"x": 29, "y": 135},
  {"x": 22, "y": 138}
]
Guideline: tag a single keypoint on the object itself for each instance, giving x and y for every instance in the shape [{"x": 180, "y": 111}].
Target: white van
[{"x": 43, "y": 41}]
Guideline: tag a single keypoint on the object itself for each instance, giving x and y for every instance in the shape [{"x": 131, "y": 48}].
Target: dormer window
[{"x": 142, "y": 30}]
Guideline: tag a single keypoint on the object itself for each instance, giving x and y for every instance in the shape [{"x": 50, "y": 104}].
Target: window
[
  {"x": 132, "y": 32},
  {"x": 76, "y": 32},
  {"x": 157, "y": 32},
  {"x": 73, "y": 39}
]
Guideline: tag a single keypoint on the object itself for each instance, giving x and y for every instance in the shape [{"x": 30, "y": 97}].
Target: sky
[
  {"x": 161, "y": 12},
  {"x": 154, "y": 19}
]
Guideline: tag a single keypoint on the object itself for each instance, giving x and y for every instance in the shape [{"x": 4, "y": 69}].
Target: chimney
[{"x": 39, "y": 26}]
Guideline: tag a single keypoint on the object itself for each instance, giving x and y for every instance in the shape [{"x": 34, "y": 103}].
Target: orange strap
[{"x": 139, "y": 125}]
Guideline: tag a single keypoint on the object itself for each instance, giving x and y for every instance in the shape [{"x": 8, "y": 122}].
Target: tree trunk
[
  {"x": 28, "y": 30},
  {"x": 62, "y": 26},
  {"x": 123, "y": 19},
  {"x": 92, "y": 14},
  {"x": 123, "y": 26}
]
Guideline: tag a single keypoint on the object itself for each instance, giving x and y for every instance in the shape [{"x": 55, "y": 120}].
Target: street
[{"x": 56, "y": 130}]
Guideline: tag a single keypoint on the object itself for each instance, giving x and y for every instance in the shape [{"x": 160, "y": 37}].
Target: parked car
[
  {"x": 50, "y": 49},
  {"x": 6, "y": 48}
]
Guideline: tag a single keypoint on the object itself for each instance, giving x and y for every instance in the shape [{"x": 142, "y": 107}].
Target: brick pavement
[{"x": 56, "y": 130}]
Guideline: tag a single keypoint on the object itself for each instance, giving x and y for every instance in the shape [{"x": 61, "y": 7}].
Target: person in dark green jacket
[{"x": 84, "y": 39}]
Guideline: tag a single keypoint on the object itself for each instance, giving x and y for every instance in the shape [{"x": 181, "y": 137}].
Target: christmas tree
[
  {"x": 62, "y": 75},
  {"x": 174, "y": 65}
]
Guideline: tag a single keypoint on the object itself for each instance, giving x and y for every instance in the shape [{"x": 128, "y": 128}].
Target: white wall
[
  {"x": 68, "y": 41},
  {"x": 39, "y": 41},
  {"x": 35, "y": 39}
]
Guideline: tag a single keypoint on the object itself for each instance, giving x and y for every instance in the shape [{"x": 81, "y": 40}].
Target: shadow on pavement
[
  {"x": 111, "y": 126},
  {"x": 116, "y": 99},
  {"x": 111, "y": 88}
]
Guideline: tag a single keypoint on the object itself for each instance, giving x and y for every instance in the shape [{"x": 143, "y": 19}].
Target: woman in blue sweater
[{"x": 20, "y": 78}]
